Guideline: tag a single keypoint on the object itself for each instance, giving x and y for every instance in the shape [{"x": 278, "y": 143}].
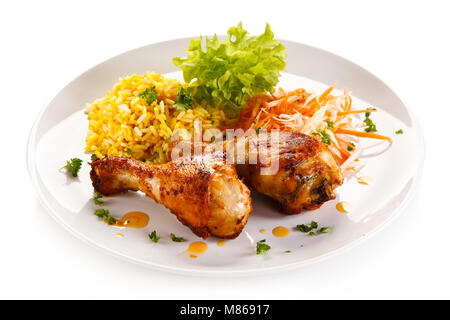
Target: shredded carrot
[
  {"x": 302, "y": 111},
  {"x": 343, "y": 113},
  {"x": 362, "y": 134},
  {"x": 326, "y": 93}
]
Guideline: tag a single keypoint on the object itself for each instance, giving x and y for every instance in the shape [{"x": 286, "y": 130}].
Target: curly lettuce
[{"x": 227, "y": 72}]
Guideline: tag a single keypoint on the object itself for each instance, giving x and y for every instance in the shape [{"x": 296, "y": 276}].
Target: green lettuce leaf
[{"x": 227, "y": 72}]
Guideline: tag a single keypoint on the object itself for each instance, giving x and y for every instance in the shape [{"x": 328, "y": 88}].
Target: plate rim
[{"x": 32, "y": 171}]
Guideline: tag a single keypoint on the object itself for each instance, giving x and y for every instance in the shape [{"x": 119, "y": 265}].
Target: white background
[{"x": 45, "y": 44}]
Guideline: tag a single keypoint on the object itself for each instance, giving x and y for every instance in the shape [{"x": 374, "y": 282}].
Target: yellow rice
[{"x": 122, "y": 124}]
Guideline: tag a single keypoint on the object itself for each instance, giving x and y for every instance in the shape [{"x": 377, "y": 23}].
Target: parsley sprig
[
  {"x": 184, "y": 100},
  {"x": 262, "y": 247},
  {"x": 324, "y": 230},
  {"x": 96, "y": 199},
  {"x": 330, "y": 124},
  {"x": 154, "y": 237},
  {"x": 305, "y": 228},
  {"x": 176, "y": 239},
  {"x": 149, "y": 95},
  {"x": 325, "y": 136},
  {"x": 351, "y": 146},
  {"x": 104, "y": 214},
  {"x": 73, "y": 166},
  {"x": 367, "y": 114},
  {"x": 371, "y": 127},
  {"x": 312, "y": 226}
]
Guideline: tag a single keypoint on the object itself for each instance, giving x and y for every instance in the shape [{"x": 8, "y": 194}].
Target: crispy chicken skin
[
  {"x": 205, "y": 194},
  {"x": 307, "y": 175}
]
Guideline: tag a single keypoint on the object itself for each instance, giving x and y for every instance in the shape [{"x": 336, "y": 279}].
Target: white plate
[{"x": 59, "y": 132}]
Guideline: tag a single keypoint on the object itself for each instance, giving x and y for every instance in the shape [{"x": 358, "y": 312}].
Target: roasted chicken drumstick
[
  {"x": 307, "y": 172},
  {"x": 204, "y": 193}
]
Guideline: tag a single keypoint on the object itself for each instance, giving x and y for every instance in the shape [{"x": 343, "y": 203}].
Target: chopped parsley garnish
[
  {"x": 93, "y": 157},
  {"x": 104, "y": 214},
  {"x": 101, "y": 213},
  {"x": 129, "y": 151},
  {"x": 351, "y": 147},
  {"x": 325, "y": 136},
  {"x": 154, "y": 237},
  {"x": 324, "y": 230},
  {"x": 73, "y": 166},
  {"x": 368, "y": 113},
  {"x": 149, "y": 95},
  {"x": 184, "y": 100},
  {"x": 330, "y": 124},
  {"x": 262, "y": 247},
  {"x": 287, "y": 251},
  {"x": 400, "y": 131},
  {"x": 309, "y": 229},
  {"x": 110, "y": 220},
  {"x": 96, "y": 199},
  {"x": 371, "y": 127},
  {"x": 176, "y": 239},
  {"x": 304, "y": 228},
  {"x": 258, "y": 130}
]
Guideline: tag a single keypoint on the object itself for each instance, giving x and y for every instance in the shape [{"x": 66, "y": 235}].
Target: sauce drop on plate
[
  {"x": 134, "y": 219},
  {"x": 120, "y": 235},
  {"x": 280, "y": 232},
  {"x": 262, "y": 230},
  {"x": 344, "y": 207},
  {"x": 221, "y": 243},
  {"x": 197, "y": 247}
]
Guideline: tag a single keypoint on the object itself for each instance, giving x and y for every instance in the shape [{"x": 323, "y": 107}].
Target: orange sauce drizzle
[
  {"x": 280, "y": 232},
  {"x": 134, "y": 219},
  {"x": 197, "y": 247},
  {"x": 221, "y": 243}
]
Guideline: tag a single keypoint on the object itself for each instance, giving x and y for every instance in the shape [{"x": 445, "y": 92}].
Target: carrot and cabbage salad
[{"x": 327, "y": 117}]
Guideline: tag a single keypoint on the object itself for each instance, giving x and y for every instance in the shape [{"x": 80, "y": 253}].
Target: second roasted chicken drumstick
[
  {"x": 306, "y": 175},
  {"x": 204, "y": 194}
]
